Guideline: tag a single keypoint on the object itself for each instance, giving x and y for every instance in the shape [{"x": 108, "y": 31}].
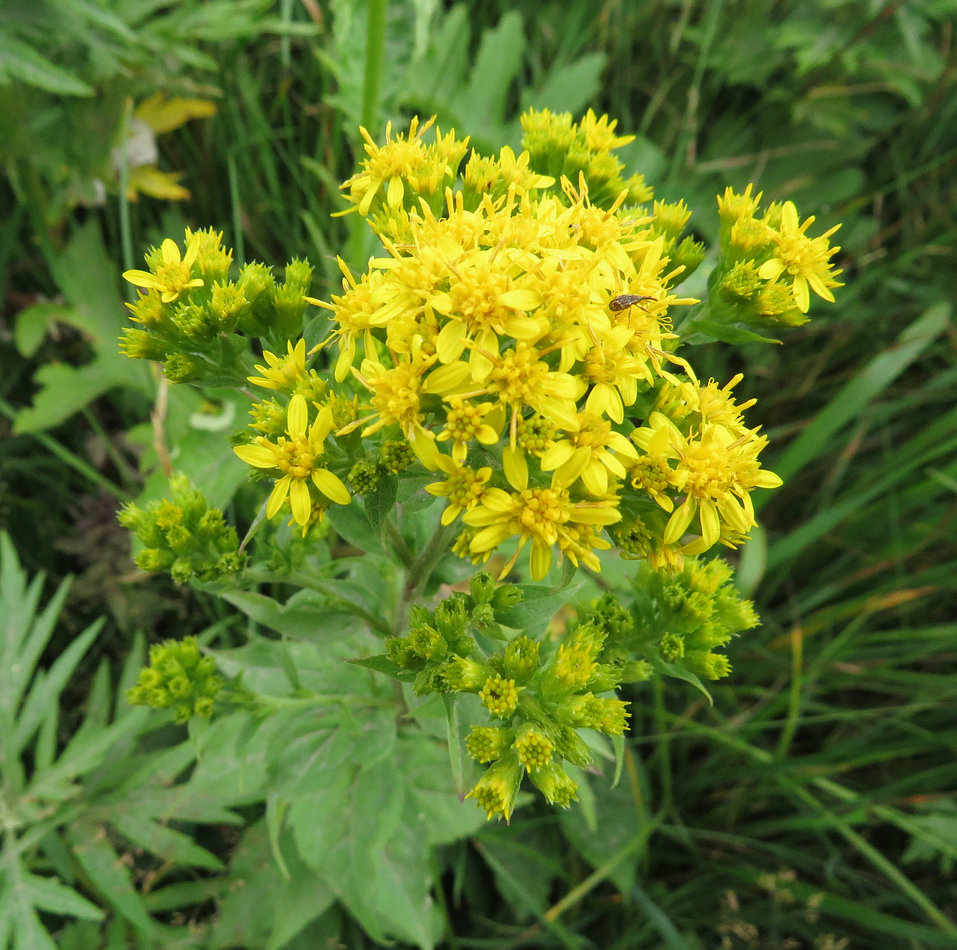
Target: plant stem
[
  {"x": 375, "y": 47},
  {"x": 421, "y": 569}
]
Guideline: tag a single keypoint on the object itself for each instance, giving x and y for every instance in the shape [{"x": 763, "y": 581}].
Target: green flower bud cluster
[
  {"x": 692, "y": 613},
  {"x": 537, "y": 698},
  {"x": 180, "y": 678},
  {"x": 668, "y": 221},
  {"x": 395, "y": 456},
  {"x": 184, "y": 536},
  {"x": 191, "y": 317},
  {"x": 558, "y": 147}
]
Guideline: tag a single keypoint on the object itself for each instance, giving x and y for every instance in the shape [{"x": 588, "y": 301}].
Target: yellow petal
[
  {"x": 149, "y": 180},
  {"x": 297, "y": 416},
  {"x": 278, "y": 496},
  {"x": 300, "y": 501},
  {"x": 520, "y": 299},
  {"x": 256, "y": 455},
  {"x": 450, "y": 342},
  {"x": 164, "y": 115},
  {"x": 516, "y": 467},
  {"x": 331, "y": 486},
  {"x": 541, "y": 559}
]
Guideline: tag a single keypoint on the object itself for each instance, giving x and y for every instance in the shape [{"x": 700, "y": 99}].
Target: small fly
[{"x": 624, "y": 301}]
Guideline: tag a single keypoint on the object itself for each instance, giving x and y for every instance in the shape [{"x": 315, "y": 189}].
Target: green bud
[
  {"x": 228, "y": 305},
  {"x": 450, "y": 618},
  {"x": 506, "y": 596},
  {"x": 570, "y": 745},
  {"x": 364, "y": 477},
  {"x": 138, "y": 344},
  {"x": 555, "y": 784},
  {"x": 499, "y": 695},
  {"x": 396, "y": 456},
  {"x": 399, "y": 651},
  {"x": 466, "y": 675},
  {"x": 482, "y": 587},
  {"x": 181, "y": 368},
  {"x": 521, "y": 658},
  {"x": 483, "y": 615},
  {"x": 488, "y": 743},
  {"x": 533, "y": 748},
  {"x": 496, "y": 791},
  {"x": 427, "y": 642},
  {"x": 671, "y": 647}
]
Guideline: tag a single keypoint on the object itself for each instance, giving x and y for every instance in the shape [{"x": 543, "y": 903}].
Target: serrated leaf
[{"x": 356, "y": 836}]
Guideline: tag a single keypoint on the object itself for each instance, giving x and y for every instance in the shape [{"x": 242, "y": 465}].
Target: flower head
[
  {"x": 171, "y": 276},
  {"x": 804, "y": 261},
  {"x": 297, "y": 455}
]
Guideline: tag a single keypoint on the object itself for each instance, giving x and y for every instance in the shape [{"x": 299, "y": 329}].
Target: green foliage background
[{"x": 813, "y": 803}]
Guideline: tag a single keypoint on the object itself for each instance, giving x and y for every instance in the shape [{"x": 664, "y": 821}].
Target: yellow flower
[
  {"x": 465, "y": 421},
  {"x": 804, "y": 261},
  {"x": 463, "y": 488},
  {"x": 172, "y": 275},
  {"x": 282, "y": 374},
  {"x": 297, "y": 455},
  {"x": 404, "y": 162},
  {"x": 547, "y": 517},
  {"x": 734, "y": 207},
  {"x": 589, "y": 454},
  {"x": 398, "y": 394},
  {"x": 365, "y": 306},
  {"x": 716, "y": 470}
]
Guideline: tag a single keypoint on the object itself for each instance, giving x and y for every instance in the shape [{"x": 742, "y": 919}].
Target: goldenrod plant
[{"x": 505, "y": 393}]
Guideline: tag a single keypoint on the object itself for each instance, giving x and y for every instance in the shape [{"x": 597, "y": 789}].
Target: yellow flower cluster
[
  {"x": 770, "y": 264},
  {"x": 520, "y": 347},
  {"x": 520, "y": 344}
]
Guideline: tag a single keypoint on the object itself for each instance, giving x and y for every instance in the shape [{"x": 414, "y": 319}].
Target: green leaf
[
  {"x": 33, "y": 324},
  {"x": 679, "y": 672},
  {"x": 380, "y": 503},
  {"x": 704, "y": 331},
  {"x": 382, "y": 664},
  {"x": 263, "y": 907},
  {"x": 568, "y": 88},
  {"x": 92, "y": 849},
  {"x": 307, "y": 615},
  {"x": 167, "y": 843},
  {"x": 87, "y": 276},
  {"x": 49, "y": 894},
  {"x": 351, "y": 523},
  {"x": 18, "y": 61},
  {"x": 538, "y": 605}
]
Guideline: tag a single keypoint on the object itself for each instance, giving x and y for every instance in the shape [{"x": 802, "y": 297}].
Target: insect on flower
[{"x": 624, "y": 301}]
